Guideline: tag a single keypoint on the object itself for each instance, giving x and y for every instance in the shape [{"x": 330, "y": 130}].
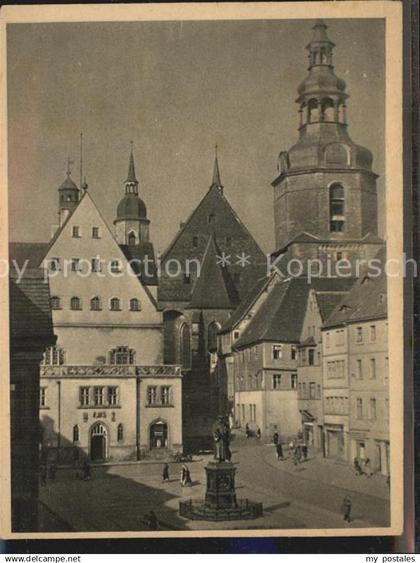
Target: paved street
[{"x": 307, "y": 496}]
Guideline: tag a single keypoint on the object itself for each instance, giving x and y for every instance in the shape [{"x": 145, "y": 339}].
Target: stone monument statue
[{"x": 221, "y": 437}]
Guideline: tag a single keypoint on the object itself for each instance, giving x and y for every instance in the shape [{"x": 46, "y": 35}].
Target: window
[
  {"x": 53, "y": 356},
  {"x": 98, "y": 396},
  {"x": 373, "y": 333},
  {"x": 359, "y": 334},
  {"x": 303, "y": 390},
  {"x": 212, "y": 336},
  {"x": 54, "y": 264},
  {"x": 165, "y": 395},
  {"x": 276, "y": 381},
  {"x": 122, "y": 355},
  {"x": 76, "y": 434},
  {"x": 132, "y": 239},
  {"x": 95, "y": 304},
  {"x": 311, "y": 356},
  {"x": 84, "y": 396},
  {"x": 359, "y": 408},
  {"x": 359, "y": 373},
  {"x": 386, "y": 371},
  {"x": 115, "y": 266},
  {"x": 293, "y": 381},
  {"x": 75, "y": 304},
  {"x": 134, "y": 304},
  {"x": 95, "y": 232},
  {"x": 327, "y": 340},
  {"x": 114, "y": 304},
  {"x": 185, "y": 346},
  {"x": 120, "y": 433},
  {"x": 372, "y": 368},
  {"x": 76, "y": 232},
  {"x": 312, "y": 389},
  {"x": 187, "y": 279},
  {"x": 42, "y": 397},
  {"x": 277, "y": 352},
  {"x": 55, "y": 303},
  {"x": 95, "y": 265},
  {"x": 152, "y": 395},
  {"x": 195, "y": 242},
  {"x": 211, "y": 218},
  {"x": 74, "y": 264},
  {"x": 336, "y": 208},
  {"x": 381, "y": 298},
  {"x": 228, "y": 242},
  {"x": 293, "y": 353},
  {"x": 318, "y": 391},
  {"x": 236, "y": 335},
  {"x": 373, "y": 409},
  {"x": 112, "y": 395}
]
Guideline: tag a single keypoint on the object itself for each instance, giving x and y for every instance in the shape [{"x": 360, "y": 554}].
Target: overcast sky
[{"x": 175, "y": 89}]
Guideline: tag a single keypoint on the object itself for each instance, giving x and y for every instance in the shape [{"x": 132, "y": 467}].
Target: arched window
[
  {"x": 114, "y": 304},
  {"x": 75, "y": 304},
  {"x": 313, "y": 111},
  {"x": 185, "y": 346},
  {"x": 337, "y": 219},
  {"x": 327, "y": 110},
  {"x": 132, "y": 239},
  {"x": 95, "y": 304},
  {"x": 76, "y": 434},
  {"x": 134, "y": 304},
  {"x": 122, "y": 355},
  {"x": 55, "y": 303},
  {"x": 120, "y": 433},
  {"x": 212, "y": 336},
  {"x": 53, "y": 356}
]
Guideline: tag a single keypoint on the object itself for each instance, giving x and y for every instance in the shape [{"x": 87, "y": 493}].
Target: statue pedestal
[
  {"x": 220, "y": 502},
  {"x": 220, "y": 491}
]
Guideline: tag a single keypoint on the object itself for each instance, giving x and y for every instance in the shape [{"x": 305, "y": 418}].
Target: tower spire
[
  {"x": 216, "y": 172},
  {"x": 131, "y": 184}
]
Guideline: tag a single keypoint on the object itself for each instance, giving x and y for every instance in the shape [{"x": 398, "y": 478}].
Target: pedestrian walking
[
  {"x": 188, "y": 481},
  {"x": 346, "y": 508},
  {"x": 52, "y": 472},
  {"x": 151, "y": 521},
  {"x": 279, "y": 451},
  {"x": 275, "y": 438},
  {"x": 258, "y": 434},
  {"x": 184, "y": 470},
  {"x": 357, "y": 468},
  {"x": 43, "y": 475},
  {"x": 297, "y": 455},
  {"x": 247, "y": 430},
  {"x": 87, "y": 475},
  {"x": 368, "y": 468},
  {"x": 305, "y": 452},
  {"x": 165, "y": 472}
]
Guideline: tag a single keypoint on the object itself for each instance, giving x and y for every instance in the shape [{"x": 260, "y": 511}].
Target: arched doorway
[
  {"x": 158, "y": 435},
  {"x": 98, "y": 442}
]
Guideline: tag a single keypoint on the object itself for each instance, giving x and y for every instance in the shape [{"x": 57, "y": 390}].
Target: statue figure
[{"x": 221, "y": 437}]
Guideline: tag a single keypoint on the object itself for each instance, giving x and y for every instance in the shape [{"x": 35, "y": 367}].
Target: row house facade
[{"x": 356, "y": 376}]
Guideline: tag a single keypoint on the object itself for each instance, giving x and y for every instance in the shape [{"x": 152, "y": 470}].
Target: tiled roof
[
  {"x": 213, "y": 217},
  {"x": 366, "y": 300},
  {"x": 32, "y": 252},
  {"x": 244, "y": 306},
  {"x": 214, "y": 289},
  {"x": 327, "y": 302},
  {"x": 30, "y": 311},
  {"x": 137, "y": 256}
]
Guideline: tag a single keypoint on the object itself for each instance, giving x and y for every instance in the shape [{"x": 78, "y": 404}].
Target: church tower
[
  {"x": 131, "y": 224},
  {"x": 68, "y": 197},
  {"x": 325, "y": 184}
]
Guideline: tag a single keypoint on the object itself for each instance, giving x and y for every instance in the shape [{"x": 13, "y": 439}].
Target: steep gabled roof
[
  {"x": 214, "y": 288},
  {"x": 366, "y": 300},
  {"x": 280, "y": 317},
  {"x": 244, "y": 306},
  {"x": 29, "y": 253},
  {"x": 30, "y": 311},
  {"x": 137, "y": 256},
  {"x": 327, "y": 302}
]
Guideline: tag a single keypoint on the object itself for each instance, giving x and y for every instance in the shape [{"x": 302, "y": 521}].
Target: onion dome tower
[
  {"x": 325, "y": 184},
  {"x": 131, "y": 223}
]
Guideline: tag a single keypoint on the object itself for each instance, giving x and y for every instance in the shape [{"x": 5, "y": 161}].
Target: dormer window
[
  {"x": 76, "y": 232},
  {"x": 211, "y": 218},
  {"x": 195, "y": 242},
  {"x": 187, "y": 279}
]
